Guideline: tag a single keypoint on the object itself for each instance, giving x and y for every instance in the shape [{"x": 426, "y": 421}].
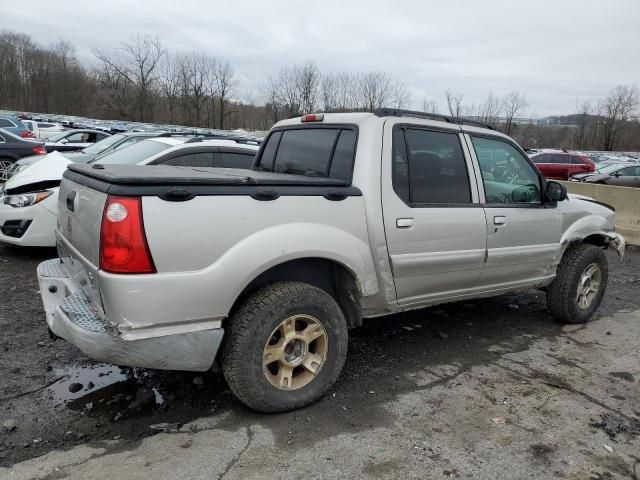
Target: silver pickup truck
[{"x": 342, "y": 217}]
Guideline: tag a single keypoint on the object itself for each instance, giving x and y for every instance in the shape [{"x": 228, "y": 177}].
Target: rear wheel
[
  {"x": 284, "y": 347},
  {"x": 5, "y": 165},
  {"x": 580, "y": 283}
]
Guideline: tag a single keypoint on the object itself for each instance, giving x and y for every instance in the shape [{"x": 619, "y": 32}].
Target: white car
[
  {"x": 28, "y": 203},
  {"x": 71, "y": 140},
  {"x": 43, "y": 130}
]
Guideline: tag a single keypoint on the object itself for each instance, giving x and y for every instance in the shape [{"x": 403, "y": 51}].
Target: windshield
[
  {"x": 134, "y": 154},
  {"x": 102, "y": 145},
  {"x": 609, "y": 168}
]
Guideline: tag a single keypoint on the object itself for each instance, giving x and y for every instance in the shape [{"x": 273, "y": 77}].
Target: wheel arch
[{"x": 329, "y": 275}]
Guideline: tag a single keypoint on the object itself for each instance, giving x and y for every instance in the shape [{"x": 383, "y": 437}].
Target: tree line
[{"x": 141, "y": 80}]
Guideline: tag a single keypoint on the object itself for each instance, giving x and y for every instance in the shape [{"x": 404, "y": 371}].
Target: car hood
[
  {"x": 47, "y": 169},
  {"x": 582, "y": 176},
  {"x": 595, "y": 177}
]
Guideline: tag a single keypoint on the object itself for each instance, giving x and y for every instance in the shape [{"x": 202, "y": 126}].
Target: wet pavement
[{"x": 53, "y": 398}]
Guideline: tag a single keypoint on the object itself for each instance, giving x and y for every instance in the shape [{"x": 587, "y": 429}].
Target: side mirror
[
  {"x": 615, "y": 174},
  {"x": 556, "y": 192}
]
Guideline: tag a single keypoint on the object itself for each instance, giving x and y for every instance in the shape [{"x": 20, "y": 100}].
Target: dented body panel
[{"x": 208, "y": 250}]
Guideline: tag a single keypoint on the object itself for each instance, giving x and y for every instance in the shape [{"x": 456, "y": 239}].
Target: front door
[
  {"x": 434, "y": 224},
  {"x": 523, "y": 235}
]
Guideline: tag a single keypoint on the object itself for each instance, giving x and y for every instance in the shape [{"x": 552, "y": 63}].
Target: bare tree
[
  {"x": 617, "y": 109},
  {"x": 489, "y": 111},
  {"x": 430, "y": 106},
  {"x": 329, "y": 92},
  {"x": 308, "y": 80},
  {"x": 374, "y": 88},
  {"x": 136, "y": 62},
  {"x": 225, "y": 80},
  {"x": 454, "y": 103},
  {"x": 512, "y": 104},
  {"x": 401, "y": 98},
  {"x": 169, "y": 81}
]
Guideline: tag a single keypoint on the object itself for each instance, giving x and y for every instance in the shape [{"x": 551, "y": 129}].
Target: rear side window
[
  {"x": 577, "y": 160},
  {"x": 429, "y": 168},
  {"x": 318, "y": 152},
  {"x": 196, "y": 159},
  {"x": 235, "y": 160},
  {"x": 133, "y": 154}
]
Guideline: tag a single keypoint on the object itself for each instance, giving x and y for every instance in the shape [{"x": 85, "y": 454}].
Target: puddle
[{"x": 98, "y": 387}]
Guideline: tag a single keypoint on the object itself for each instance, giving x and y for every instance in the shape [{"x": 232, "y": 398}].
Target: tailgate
[{"x": 78, "y": 234}]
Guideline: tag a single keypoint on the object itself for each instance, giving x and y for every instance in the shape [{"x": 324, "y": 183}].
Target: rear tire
[
  {"x": 5, "y": 165},
  {"x": 284, "y": 347},
  {"x": 580, "y": 284}
]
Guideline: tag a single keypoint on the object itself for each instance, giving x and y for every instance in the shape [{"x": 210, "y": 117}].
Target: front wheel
[
  {"x": 580, "y": 283},
  {"x": 5, "y": 165},
  {"x": 284, "y": 347}
]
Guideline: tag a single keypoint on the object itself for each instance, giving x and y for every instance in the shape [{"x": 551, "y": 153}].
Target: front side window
[
  {"x": 429, "y": 168},
  {"x": 576, "y": 160},
  {"x": 629, "y": 172},
  {"x": 509, "y": 178},
  {"x": 4, "y": 123}
]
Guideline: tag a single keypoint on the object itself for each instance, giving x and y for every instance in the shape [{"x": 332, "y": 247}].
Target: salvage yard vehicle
[
  {"x": 342, "y": 217},
  {"x": 13, "y": 148},
  {"x": 622, "y": 175},
  {"x": 72, "y": 140},
  {"x": 562, "y": 165},
  {"x": 28, "y": 204},
  {"x": 43, "y": 130}
]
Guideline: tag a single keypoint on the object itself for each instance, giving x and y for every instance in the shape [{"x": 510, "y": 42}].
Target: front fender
[{"x": 591, "y": 225}]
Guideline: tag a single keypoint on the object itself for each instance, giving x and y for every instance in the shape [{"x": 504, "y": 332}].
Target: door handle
[
  {"x": 404, "y": 222},
  {"x": 70, "y": 201},
  {"x": 499, "y": 220}
]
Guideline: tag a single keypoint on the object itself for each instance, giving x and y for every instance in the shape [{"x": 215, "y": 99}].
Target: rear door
[
  {"x": 523, "y": 235},
  {"x": 434, "y": 223}
]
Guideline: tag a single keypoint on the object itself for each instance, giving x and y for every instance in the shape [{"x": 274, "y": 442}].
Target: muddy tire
[
  {"x": 284, "y": 347},
  {"x": 580, "y": 283}
]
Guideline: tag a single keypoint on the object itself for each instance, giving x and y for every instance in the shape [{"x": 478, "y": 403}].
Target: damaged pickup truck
[{"x": 342, "y": 217}]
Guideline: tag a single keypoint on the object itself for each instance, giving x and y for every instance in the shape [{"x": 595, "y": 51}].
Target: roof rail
[
  {"x": 232, "y": 138},
  {"x": 394, "y": 112}
]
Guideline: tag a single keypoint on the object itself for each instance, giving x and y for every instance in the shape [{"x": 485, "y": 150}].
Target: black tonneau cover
[{"x": 183, "y": 183}]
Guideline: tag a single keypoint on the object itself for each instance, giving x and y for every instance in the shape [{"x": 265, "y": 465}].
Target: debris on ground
[
  {"x": 9, "y": 425},
  {"x": 75, "y": 387},
  {"x": 165, "y": 427}
]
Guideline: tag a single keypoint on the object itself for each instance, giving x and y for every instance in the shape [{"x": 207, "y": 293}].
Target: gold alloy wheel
[
  {"x": 588, "y": 286},
  {"x": 295, "y": 352}
]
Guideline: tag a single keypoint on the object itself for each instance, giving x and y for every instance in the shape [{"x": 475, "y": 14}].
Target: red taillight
[
  {"x": 123, "y": 243},
  {"x": 316, "y": 117},
  {"x": 39, "y": 150},
  {"x": 25, "y": 134}
]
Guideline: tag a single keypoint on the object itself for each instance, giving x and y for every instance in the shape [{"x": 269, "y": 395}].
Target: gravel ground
[{"x": 485, "y": 389}]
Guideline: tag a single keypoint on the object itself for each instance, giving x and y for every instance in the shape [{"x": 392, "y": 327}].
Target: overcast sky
[{"x": 553, "y": 51}]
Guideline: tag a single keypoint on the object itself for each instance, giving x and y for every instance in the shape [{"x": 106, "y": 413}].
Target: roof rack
[{"x": 393, "y": 112}]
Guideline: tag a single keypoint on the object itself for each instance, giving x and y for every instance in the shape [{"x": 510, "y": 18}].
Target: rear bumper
[{"x": 71, "y": 316}]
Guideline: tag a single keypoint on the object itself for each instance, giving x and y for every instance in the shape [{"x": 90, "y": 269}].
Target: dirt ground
[{"x": 483, "y": 389}]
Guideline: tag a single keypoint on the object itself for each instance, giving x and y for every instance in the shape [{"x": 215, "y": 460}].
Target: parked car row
[{"x": 28, "y": 201}]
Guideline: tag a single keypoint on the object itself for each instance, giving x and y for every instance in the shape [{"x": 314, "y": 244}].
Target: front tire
[
  {"x": 580, "y": 284},
  {"x": 5, "y": 164},
  {"x": 284, "y": 347}
]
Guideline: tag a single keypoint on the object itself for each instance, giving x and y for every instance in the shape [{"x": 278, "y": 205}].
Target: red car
[{"x": 561, "y": 165}]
